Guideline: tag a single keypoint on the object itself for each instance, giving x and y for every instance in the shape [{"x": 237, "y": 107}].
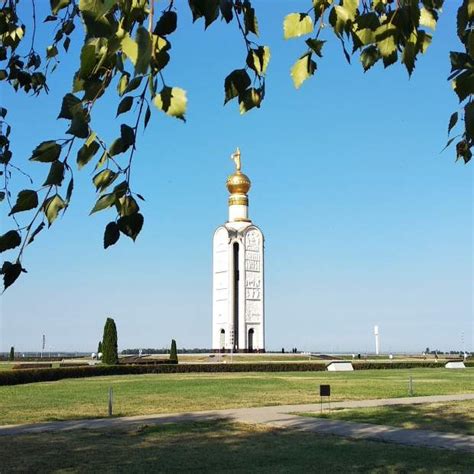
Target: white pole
[{"x": 377, "y": 340}]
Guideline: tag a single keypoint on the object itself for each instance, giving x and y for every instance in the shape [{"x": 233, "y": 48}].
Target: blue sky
[{"x": 366, "y": 222}]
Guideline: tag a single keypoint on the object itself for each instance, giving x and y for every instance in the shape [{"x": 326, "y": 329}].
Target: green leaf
[
  {"x": 147, "y": 116},
  {"x": 133, "y": 84},
  {"x": 117, "y": 147},
  {"x": 385, "y": 37},
  {"x": 130, "y": 48},
  {"x": 57, "y": 5},
  {"x": 350, "y": 6},
  {"x": 127, "y": 206},
  {"x": 409, "y": 56},
  {"x": 104, "y": 202},
  {"x": 123, "y": 83},
  {"x": 125, "y": 105},
  {"x": 469, "y": 120},
  {"x": 127, "y": 135},
  {"x": 226, "y": 10},
  {"x": 96, "y": 8},
  {"x": 56, "y": 174},
  {"x": 250, "y": 20},
  {"x": 111, "y": 235},
  {"x": 86, "y": 153},
  {"x": 52, "y": 206},
  {"x": 104, "y": 179},
  {"x": 88, "y": 60},
  {"x": 470, "y": 44},
  {"x": 302, "y": 69},
  {"x": 428, "y": 18},
  {"x": 316, "y": 45},
  {"x": 144, "y": 51},
  {"x": 69, "y": 190},
  {"x": 166, "y": 24},
  {"x": 339, "y": 18},
  {"x": 9, "y": 240},
  {"x": 46, "y": 152},
  {"x": 249, "y": 99},
  {"x": 10, "y": 272},
  {"x": 209, "y": 9},
  {"x": 258, "y": 59},
  {"x": 51, "y": 51},
  {"x": 235, "y": 84},
  {"x": 452, "y": 122},
  {"x": 296, "y": 25},
  {"x": 26, "y": 200},
  {"x": 121, "y": 189},
  {"x": 463, "y": 85},
  {"x": 131, "y": 225},
  {"x": 35, "y": 233},
  {"x": 79, "y": 124},
  {"x": 369, "y": 57},
  {"x": 69, "y": 104},
  {"x": 365, "y": 36},
  {"x": 172, "y": 101}
]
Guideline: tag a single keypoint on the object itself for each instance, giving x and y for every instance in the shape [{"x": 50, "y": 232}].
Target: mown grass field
[
  {"x": 218, "y": 446},
  {"x": 168, "y": 393},
  {"x": 455, "y": 417}
]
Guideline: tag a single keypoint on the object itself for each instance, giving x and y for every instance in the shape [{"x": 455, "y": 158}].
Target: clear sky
[{"x": 366, "y": 222}]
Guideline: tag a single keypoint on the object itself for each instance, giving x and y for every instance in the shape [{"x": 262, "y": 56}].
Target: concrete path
[{"x": 282, "y": 417}]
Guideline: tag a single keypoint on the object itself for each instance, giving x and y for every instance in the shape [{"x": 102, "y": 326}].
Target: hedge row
[
  {"x": 32, "y": 366},
  {"x": 9, "y": 377},
  {"x": 397, "y": 365}
]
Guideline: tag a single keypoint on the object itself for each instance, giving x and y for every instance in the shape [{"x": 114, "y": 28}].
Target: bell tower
[{"x": 238, "y": 273}]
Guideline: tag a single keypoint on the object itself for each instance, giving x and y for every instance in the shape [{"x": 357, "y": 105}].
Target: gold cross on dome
[{"x": 236, "y": 158}]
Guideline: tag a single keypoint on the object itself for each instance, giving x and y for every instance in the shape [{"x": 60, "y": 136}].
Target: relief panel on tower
[
  {"x": 253, "y": 266},
  {"x": 253, "y": 285},
  {"x": 253, "y": 311}
]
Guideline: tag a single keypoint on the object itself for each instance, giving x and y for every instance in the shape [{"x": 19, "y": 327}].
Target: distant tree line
[{"x": 165, "y": 350}]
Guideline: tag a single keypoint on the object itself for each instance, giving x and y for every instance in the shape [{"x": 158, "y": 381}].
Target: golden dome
[{"x": 238, "y": 183}]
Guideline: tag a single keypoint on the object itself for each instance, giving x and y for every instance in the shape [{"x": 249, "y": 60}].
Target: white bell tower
[{"x": 238, "y": 276}]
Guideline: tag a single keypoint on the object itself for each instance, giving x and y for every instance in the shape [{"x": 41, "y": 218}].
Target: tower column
[{"x": 238, "y": 304}]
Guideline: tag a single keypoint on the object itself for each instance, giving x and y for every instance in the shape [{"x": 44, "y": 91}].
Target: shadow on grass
[
  {"x": 210, "y": 445},
  {"x": 451, "y": 417}
]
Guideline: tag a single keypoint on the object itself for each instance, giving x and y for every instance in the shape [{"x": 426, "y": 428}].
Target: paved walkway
[{"x": 283, "y": 416}]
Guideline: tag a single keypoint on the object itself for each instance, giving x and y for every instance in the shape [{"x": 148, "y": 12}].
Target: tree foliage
[
  {"x": 173, "y": 351},
  {"x": 127, "y": 47},
  {"x": 109, "y": 343},
  {"x": 11, "y": 356},
  {"x": 99, "y": 348}
]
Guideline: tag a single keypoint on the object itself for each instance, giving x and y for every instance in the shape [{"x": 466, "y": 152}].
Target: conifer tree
[
  {"x": 109, "y": 343},
  {"x": 99, "y": 348},
  {"x": 12, "y": 354},
  {"x": 173, "y": 351}
]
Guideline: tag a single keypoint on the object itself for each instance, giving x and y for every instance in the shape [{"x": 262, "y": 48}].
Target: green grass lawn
[
  {"x": 167, "y": 393},
  {"x": 218, "y": 446},
  {"x": 456, "y": 417}
]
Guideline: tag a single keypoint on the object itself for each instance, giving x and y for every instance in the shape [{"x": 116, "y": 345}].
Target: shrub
[
  {"x": 173, "y": 351},
  {"x": 109, "y": 343}
]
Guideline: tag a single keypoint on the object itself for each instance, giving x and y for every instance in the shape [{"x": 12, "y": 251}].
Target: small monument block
[
  {"x": 455, "y": 365},
  {"x": 340, "y": 367}
]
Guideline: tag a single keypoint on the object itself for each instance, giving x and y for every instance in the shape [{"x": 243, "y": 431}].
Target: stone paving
[{"x": 283, "y": 416}]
